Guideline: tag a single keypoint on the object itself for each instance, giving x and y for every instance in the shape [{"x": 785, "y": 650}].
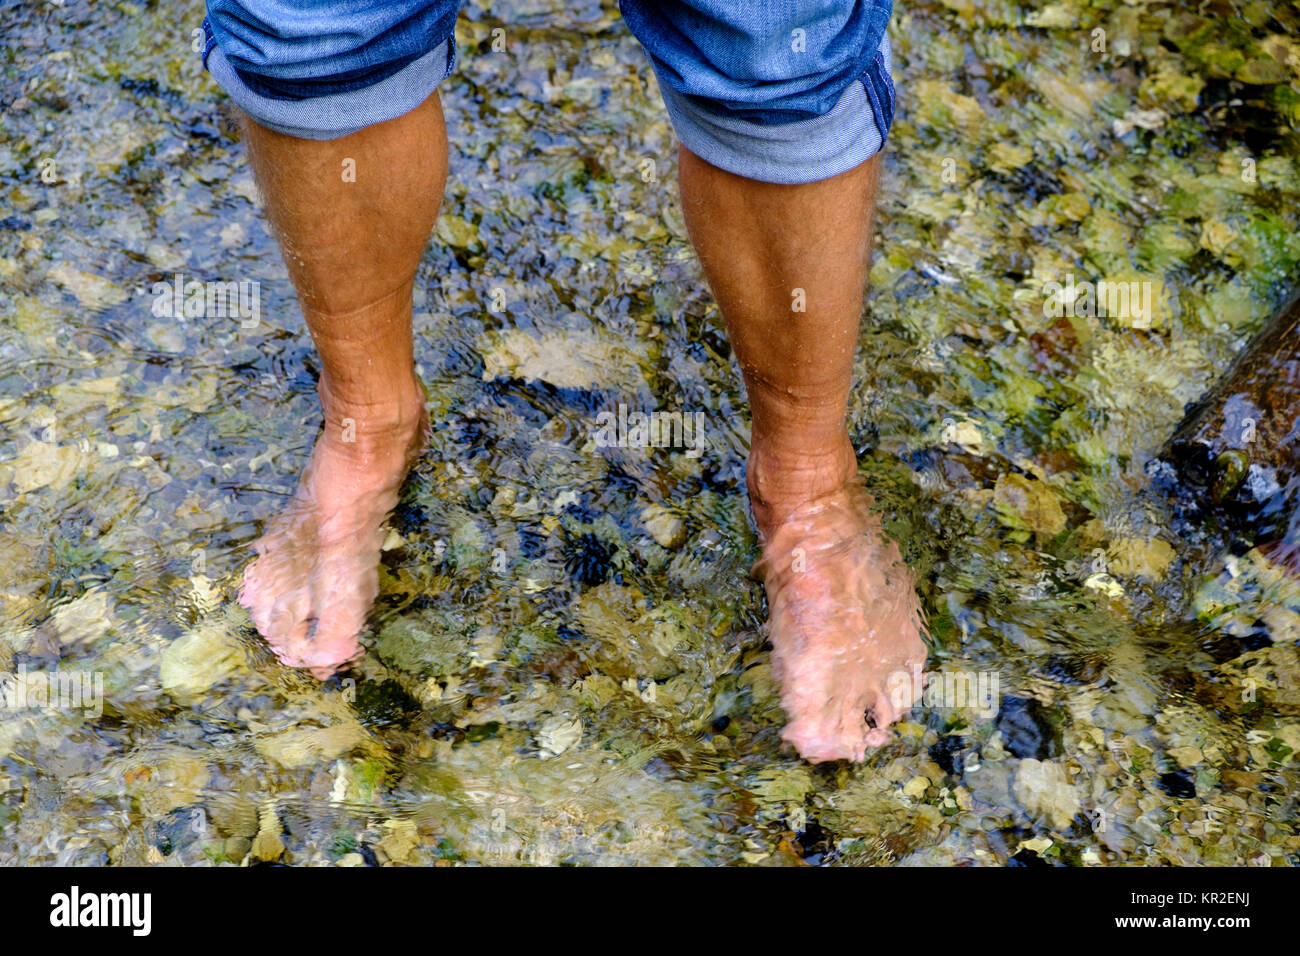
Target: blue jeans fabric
[{"x": 782, "y": 91}]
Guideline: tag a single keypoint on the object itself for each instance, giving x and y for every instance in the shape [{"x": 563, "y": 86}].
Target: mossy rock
[{"x": 425, "y": 645}]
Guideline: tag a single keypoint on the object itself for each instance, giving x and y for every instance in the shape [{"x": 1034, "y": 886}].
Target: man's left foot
[{"x": 844, "y": 618}]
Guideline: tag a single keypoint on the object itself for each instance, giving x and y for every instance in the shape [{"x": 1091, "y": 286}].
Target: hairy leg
[
  {"x": 352, "y": 216},
  {"x": 788, "y": 266}
]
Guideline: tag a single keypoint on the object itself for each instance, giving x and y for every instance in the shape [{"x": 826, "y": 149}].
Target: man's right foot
[{"x": 317, "y": 572}]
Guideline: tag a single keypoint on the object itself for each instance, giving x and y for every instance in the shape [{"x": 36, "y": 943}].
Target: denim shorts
[{"x": 781, "y": 91}]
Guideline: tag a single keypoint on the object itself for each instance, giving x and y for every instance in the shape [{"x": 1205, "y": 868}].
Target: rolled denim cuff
[
  {"x": 804, "y": 151},
  {"x": 337, "y": 114}
]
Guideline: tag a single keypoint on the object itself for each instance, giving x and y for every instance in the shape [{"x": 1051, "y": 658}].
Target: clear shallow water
[{"x": 566, "y": 662}]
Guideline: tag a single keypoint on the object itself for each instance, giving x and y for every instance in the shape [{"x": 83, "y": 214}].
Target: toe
[
  {"x": 813, "y": 742},
  {"x": 290, "y": 623},
  {"x": 853, "y": 726},
  {"x": 249, "y": 590},
  {"x": 255, "y": 597},
  {"x": 882, "y": 712},
  {"x": 878, "y": 737}
]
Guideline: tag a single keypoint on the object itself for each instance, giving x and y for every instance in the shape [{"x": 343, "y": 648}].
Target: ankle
[
  {"x": 394, "y": 419},
  {"x": 782, "y": 475}
]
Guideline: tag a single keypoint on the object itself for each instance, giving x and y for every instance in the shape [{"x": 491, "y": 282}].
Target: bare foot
[
  {"x": 317, "y": 571},
  {"x": 844, "y": 618}
]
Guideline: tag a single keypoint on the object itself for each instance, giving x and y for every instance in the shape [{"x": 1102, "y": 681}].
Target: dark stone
[
  {"x": 532, "y": 543},
  {"x": 1222, "y": 646},
  {"x": 1244, "y": 428},
  {"x": 1178, "y": 783},
  {"x": 587, "y": 560},
  {"x": 1073, "y": 670},
  {"x": 176, "y": 830},
  {"x": 478, "y": 732},
  {"x": 1027, "y": 729},
  {"x": 814, "y": 842},
  {"x": 566, "y": 633},
  {"x": 949, "y": 752},
  {"x": 1027, "y": 858},
  {"x": 385, "y": 702},
  {"x": 1031, "y": 180},
  {"x": 409, "y": 516}
]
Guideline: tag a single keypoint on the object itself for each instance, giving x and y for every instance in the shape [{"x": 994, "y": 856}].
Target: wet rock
[
  {"x": 1028, "y": 505},
  {"x": 1146, "y": 558},
  {"x": 1241, "y": 779},
  {"x": 165, "y": 780},
  {"x": 863, "y": 852},
  {"x": 304, "y": 746},
  {"x": 916, "y": 787},
  {"x": 666, "y": 527},
  {"x": 1044, "y": 789},
  {"x": 399, "y": 841},
  {"x": 235, "y": 848},
  {"x": 429, "y": 644},
  {"x": 1026, "y": 857},
  {"x": 1120, "y": 712},
  {"x": 1277, "y": 676},
  {"x": 167, "y": 336},
  {"x": 195, "y": 663},
  {"x": 557, "y": 734},
  {"x": 566, "y": 358},
  {"x": 43, "y": 465},
  {"x": 1290, "y": 737},
  {"x": 1115, "y": 819},
  {"x": 11, "y": 732},
  {"x": 782, "y": 785},
  {"x": 476, "y": 733},
  {"x": 1073, "y": 669},
  {"x": 267, "y": 846},
  {"x": 596, "y": 691},
  {"x": 86, "y": 619},
  {"x": 629, "y": 641},
  {"x": 946, "y": 109},
  {"x": 233, "y": 814},
  {"x": 1027, "y": 729},
  {"x": 92, "y": 291},
  {"x": 1187, "y": 756}
]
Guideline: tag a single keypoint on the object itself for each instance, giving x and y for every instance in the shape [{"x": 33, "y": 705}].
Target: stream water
[{"x": 567, "y": 663}]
